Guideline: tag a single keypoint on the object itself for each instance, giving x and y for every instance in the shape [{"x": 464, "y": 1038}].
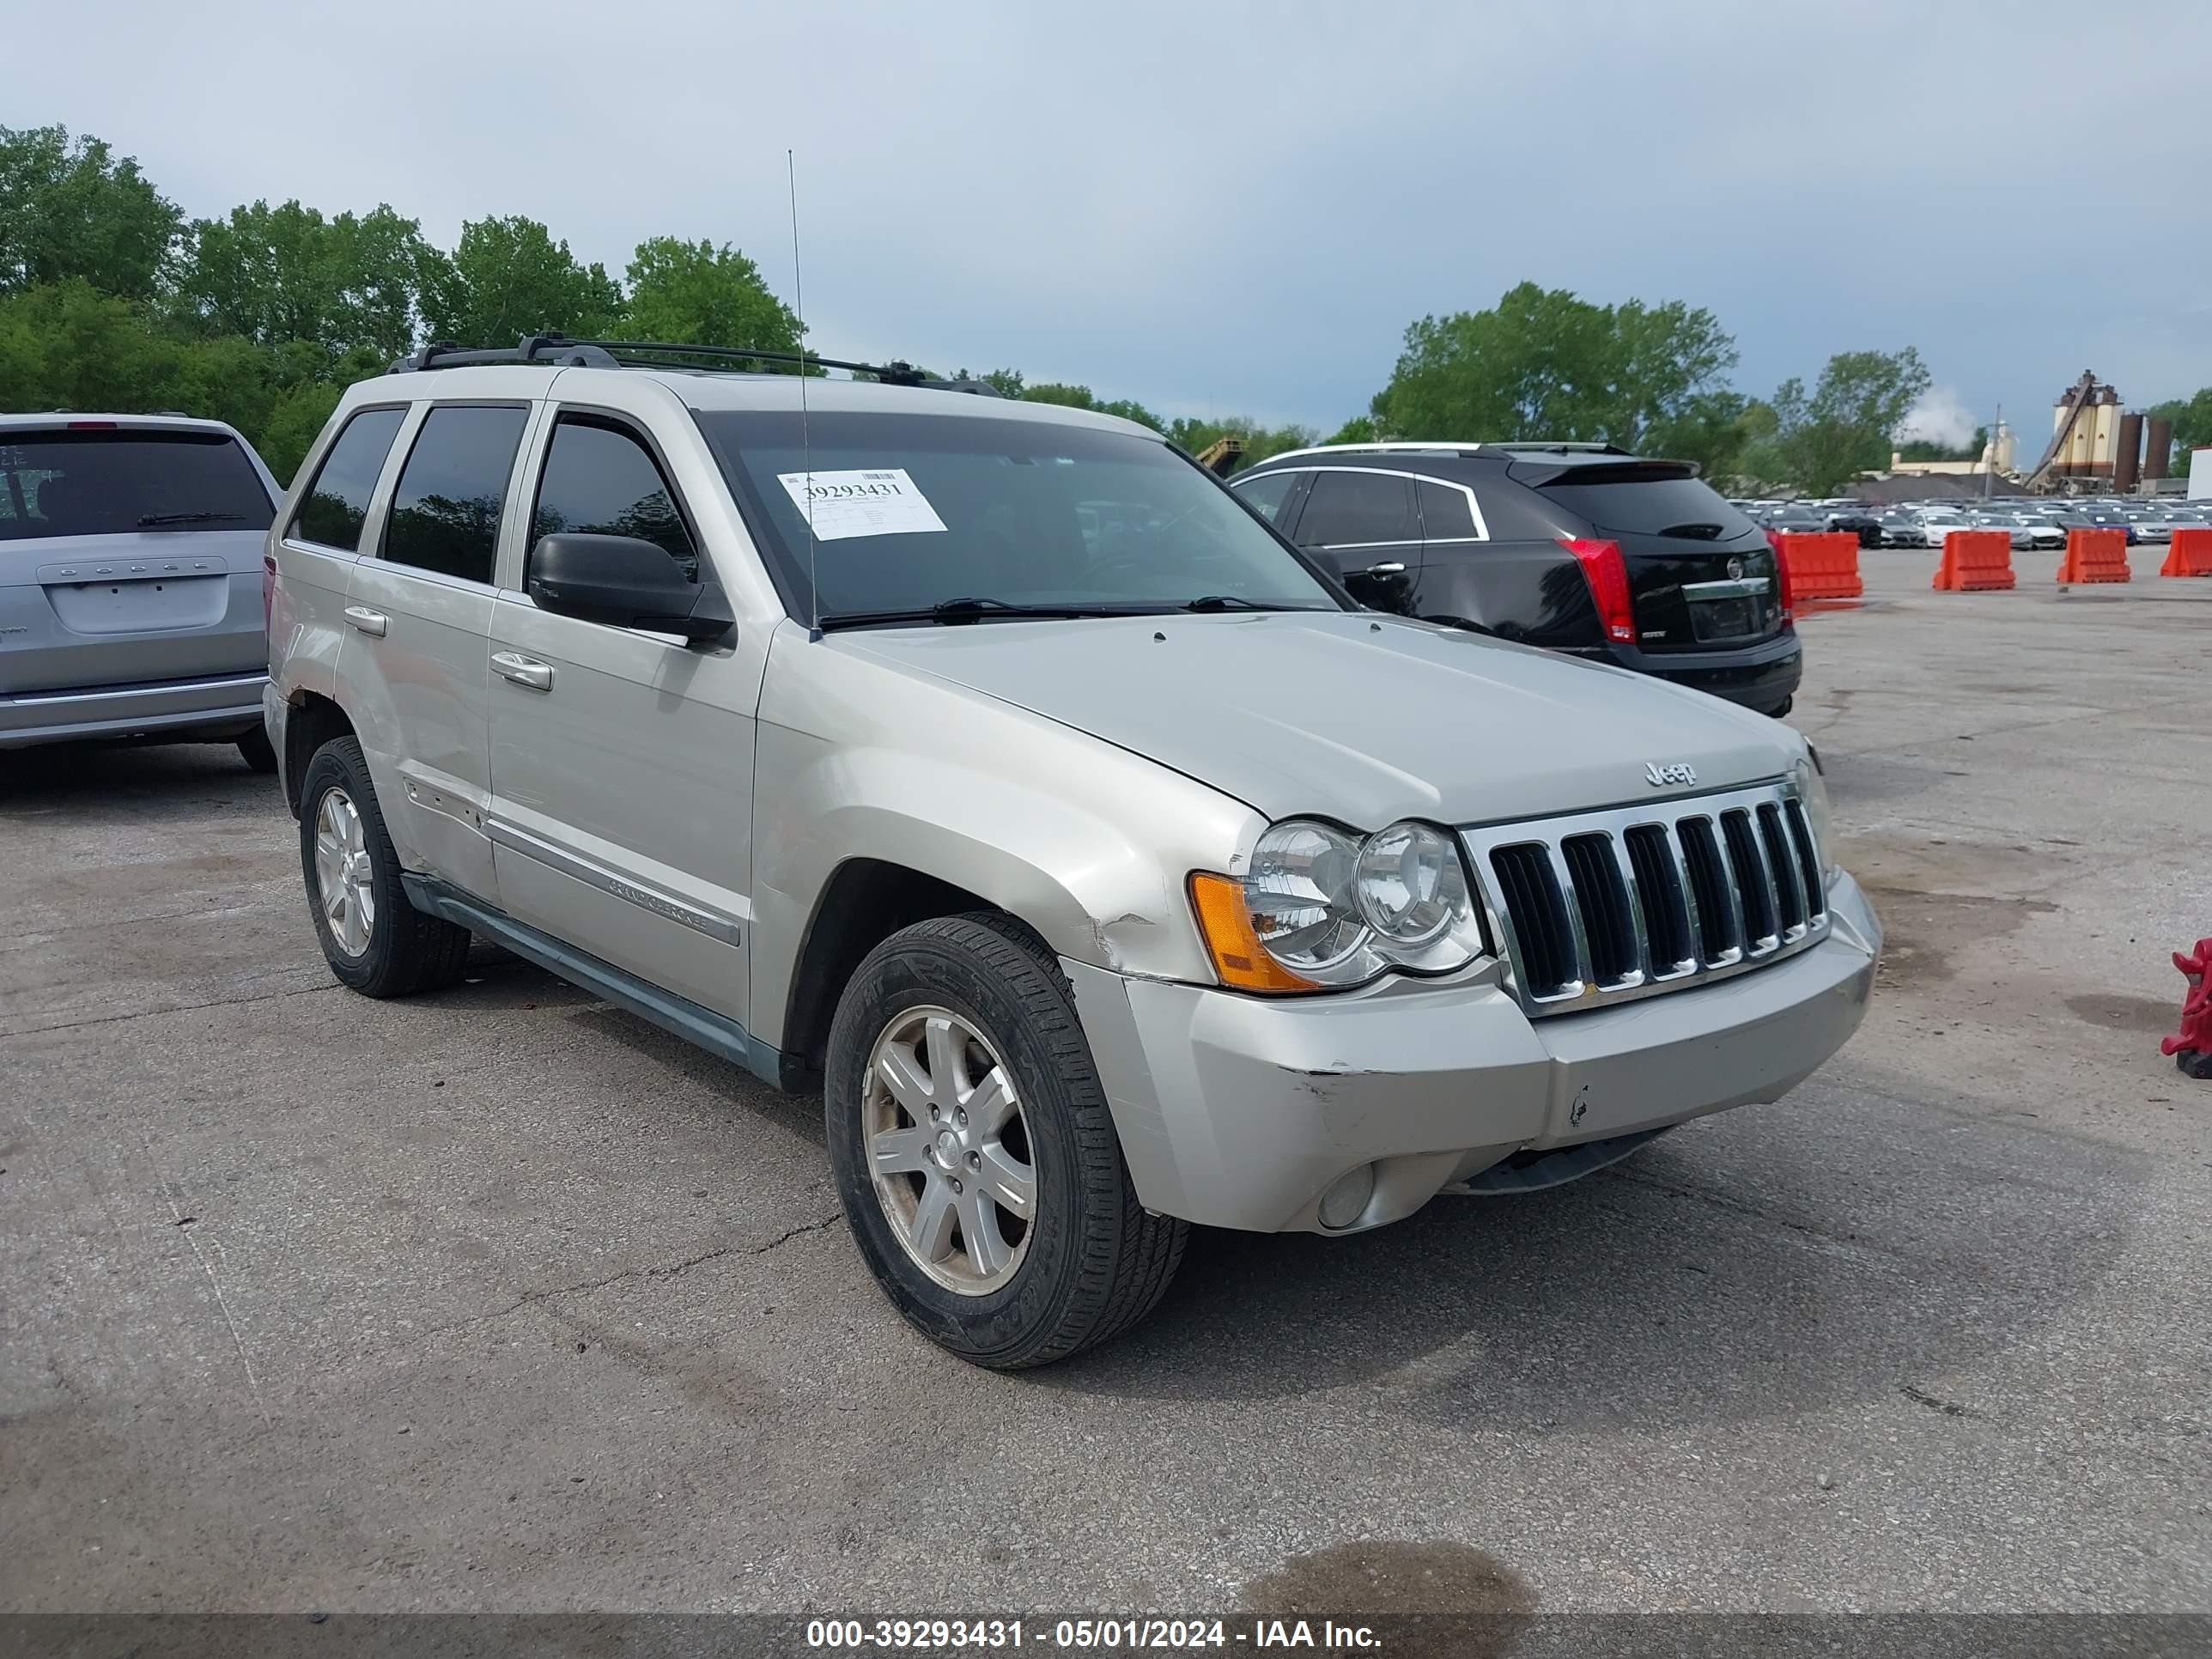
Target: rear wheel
[
  {"x": 373, "y": 940},
  {"x": 974, "y": 1154}
]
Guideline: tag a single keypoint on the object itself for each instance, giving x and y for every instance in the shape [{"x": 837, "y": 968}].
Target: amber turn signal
[{"x": 1225, "y": 924}]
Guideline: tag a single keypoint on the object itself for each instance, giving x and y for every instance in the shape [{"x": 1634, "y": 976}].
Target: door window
[
  {"x": 445, "y": 511},
  {"x": 598, "y": 480},
  {"x": 1352, "y": 510},
  {"x": 335, "y": 506},
  {"x": 1267, "y": 493}
]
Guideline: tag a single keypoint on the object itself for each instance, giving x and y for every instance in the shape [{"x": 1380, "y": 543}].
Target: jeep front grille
[{"x": 1601, "y": 906}]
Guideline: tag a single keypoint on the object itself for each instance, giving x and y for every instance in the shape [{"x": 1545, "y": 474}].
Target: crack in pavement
[
  {"x": 673, "y": 1270},
  {"x": 182, "y": 1008}
]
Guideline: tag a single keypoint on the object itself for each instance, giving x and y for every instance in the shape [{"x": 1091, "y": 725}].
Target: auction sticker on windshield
[{"x": 881, "y": 502}]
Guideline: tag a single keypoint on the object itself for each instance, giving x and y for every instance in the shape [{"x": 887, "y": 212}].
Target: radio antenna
[{"x": 806, "y": 443}]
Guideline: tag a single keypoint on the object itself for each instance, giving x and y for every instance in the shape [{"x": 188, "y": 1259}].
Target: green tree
[
  {"x": 71, "y": 208},
  {"x": 1544, "y": 363},
  {"x": 1359, "y": 429},
  {"x": 697, "y": 294},
  {"x": 1846, "y": 424},
  {"x": 281, "y": 273},
  {"x": 66, "y": 345},
  {"x": 1082, "y": 397},
  {"x": 507, "y": 277}
]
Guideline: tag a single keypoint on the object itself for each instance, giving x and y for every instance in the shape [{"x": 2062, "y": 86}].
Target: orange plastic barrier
[
  {"x": 1975, "y": 559},
  {"x": 2189, "y": 554},
  {"x": 1823, "y": 565},
  {"x": 2095, "y": 556}
]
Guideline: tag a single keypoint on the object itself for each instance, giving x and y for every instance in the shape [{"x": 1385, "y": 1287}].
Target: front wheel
[{"x": 974, "y": 1154}]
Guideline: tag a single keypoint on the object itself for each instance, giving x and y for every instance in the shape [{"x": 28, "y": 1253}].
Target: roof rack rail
[
  {"x": 1559, "y": 446},
  {"x": 560, "y": 351}
]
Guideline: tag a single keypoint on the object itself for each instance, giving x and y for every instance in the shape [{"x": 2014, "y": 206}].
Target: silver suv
[
  {"x": 130, "y": 581},
  {"x": 994, "y": 769}
]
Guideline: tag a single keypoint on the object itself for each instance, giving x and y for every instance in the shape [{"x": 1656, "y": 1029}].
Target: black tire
[
  {"x": 406, "y": 950},
  {"x": 1095, "y": 1263},
  {"x": 256, "y": 751},
  {"x": 1783, "y": 708}
]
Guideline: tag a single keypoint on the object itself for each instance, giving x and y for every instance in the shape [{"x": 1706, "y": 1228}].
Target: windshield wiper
[
  {"x": 189, "y": 518},
  {"x": 950, "y": 611},
  {"x": 1205, "y": 602}
]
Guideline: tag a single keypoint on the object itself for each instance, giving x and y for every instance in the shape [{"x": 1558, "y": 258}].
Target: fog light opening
[{"x": 1345, "y": 1201}]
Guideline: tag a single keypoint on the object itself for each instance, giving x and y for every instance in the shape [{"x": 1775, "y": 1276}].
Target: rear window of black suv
[{"x": 1640, "y": 501}]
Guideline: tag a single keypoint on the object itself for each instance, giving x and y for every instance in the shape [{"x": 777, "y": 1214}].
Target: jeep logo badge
[{"x": 1659, "y": 776}]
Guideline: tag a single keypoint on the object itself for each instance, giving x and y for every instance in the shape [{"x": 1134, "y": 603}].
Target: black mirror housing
[{"x": 625, "y": 582}]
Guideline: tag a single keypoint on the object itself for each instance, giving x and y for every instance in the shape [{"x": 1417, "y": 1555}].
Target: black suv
[{"x": 1581, "y": 548}]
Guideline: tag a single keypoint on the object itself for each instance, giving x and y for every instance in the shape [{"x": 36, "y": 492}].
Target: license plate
[{"x": 1724, "y": 619}]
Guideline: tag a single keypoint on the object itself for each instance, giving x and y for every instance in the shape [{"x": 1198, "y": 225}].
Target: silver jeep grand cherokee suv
[{"x": 990, "y": 767}]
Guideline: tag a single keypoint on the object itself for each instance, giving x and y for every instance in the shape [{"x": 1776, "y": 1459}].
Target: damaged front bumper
[{"x": 1242, "y": 1111}]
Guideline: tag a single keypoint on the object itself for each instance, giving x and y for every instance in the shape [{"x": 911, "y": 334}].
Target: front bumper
[
  {"x": 229, "y": 704},
  {"x": 1239, "y": 1111}
]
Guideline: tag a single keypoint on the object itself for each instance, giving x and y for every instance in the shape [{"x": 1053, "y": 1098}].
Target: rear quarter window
[{"x": 335, "y": 504}]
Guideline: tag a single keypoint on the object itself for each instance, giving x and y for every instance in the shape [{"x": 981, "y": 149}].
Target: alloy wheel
[{"x": 949, "y": 1149}]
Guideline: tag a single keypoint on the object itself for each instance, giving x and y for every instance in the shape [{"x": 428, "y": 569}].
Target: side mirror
[{"x": 626, "y": 582}]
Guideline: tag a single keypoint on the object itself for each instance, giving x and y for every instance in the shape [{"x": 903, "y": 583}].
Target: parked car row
[{"x": 2031, "y": 521}]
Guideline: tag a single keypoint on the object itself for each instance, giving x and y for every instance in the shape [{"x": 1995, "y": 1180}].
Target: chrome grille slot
[
  {"x": 1747, "y": 867},
  {"x": 1659, "y": 897},
  {"x": 1600, "y": 907},
  {"x": 1782, "y": 864},
  {"x": 1808, "y": 859},
  {"x": 1602, "y": 899},
  {"x": 1543, "y": 940},
  {"x": 1720, "y": 928}
]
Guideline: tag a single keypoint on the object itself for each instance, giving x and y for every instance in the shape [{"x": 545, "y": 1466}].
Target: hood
[{"x": 1351, "y": 716}]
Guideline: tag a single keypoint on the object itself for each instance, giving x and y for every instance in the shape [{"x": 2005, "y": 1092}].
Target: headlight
[
  {"x": 1812, "y": 788},
  {"x": 1335, "y": 909}
]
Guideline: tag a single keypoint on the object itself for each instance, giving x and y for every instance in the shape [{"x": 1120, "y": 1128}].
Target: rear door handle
[
  {"x": 523, "y": 670},
  {"x": 1388, "y": 568},
  {"x": 374, "y": 622}
]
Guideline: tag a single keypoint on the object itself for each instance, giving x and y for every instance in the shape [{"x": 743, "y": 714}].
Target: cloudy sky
[{"x": 1231, "y": 209}]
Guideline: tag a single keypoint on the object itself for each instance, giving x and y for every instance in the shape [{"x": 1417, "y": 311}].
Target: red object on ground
[
  {"x": 2095, "y": 556},
  {"x": 2189, "y": 554},
  {"x": 2191, "y": 1046},
  {"x": 1975, "y": 559},
  {"x": 1824, "y": 565}
]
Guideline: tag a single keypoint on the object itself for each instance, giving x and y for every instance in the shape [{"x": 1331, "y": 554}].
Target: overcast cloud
[{"x": 1222, "y": 208}]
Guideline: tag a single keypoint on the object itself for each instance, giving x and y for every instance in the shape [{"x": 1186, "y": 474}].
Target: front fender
[{"x": 1089, "y": 844}]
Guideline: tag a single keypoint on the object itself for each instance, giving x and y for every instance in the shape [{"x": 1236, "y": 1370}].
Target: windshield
[
  {"x": 912, "y": 511},
  {"x": 96, "y": 482},
  {"x": 1629, "y": 499}
]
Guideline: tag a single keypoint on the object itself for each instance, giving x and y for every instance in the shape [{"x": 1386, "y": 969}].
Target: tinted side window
[
  {"x": 335, "y": 506},
  {"x": 1445, "y": 515},
  {"x": 601, "y": 481},
  {"x": 1346, "y": 508},
  {"x": 445, "y": 513},
  {"x": 1514, "y": 513},
  {"x": 1267, "y": 493}
]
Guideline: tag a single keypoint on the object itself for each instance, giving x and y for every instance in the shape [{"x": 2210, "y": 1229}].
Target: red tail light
[
  {"x": 1782, "y": 574},
  {"x": 268, "y": 588},
  {"x": 1607, "y": 572}
]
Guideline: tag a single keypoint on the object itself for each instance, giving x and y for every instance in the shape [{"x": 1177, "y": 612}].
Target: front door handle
[
  {"x": 372, "y": 622},
  {"x": 1388, "y": 568},
  {"x": 523, "y": 670}
]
